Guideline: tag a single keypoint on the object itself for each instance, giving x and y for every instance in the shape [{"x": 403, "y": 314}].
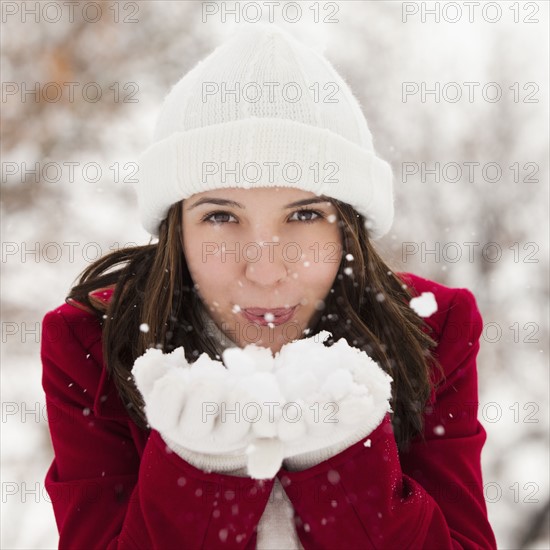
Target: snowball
[
  {"x": 200, "y": 410},
  {"x": 320, "y": 359},
  {"x": 424, "y": 305},
  {"x": 321, "y": 420},
  {"x": 205, "y": 367},
  {"x": 295, "y": 383},
  {"x": 148, "y": 368},
  {"x": 292, "y": 424},
  {"x": 268, "y": 399},
  {"x": 338, "y": 384},
  {"x": 251, "y": 358},
  {"x": 176, "y": 358}
]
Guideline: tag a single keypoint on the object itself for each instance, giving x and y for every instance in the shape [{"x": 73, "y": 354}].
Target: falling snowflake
[
  {"x": 333, "y": 476},
  {"x": 439, "y": 430}
]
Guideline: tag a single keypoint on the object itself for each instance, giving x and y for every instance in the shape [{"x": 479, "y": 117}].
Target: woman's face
[{"x": 262, "y": 248}]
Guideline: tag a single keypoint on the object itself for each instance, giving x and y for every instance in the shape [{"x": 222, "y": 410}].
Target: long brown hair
[{"x": 152, "y": 285}]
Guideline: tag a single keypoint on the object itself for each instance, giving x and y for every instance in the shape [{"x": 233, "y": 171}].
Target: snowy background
[{"x": 56, "y": 222}]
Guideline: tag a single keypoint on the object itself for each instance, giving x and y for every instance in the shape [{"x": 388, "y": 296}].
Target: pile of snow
[{"x": 268, "y": 407}]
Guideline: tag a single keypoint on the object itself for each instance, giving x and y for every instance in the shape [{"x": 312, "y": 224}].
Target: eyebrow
[{"x": 227, "y": 202}]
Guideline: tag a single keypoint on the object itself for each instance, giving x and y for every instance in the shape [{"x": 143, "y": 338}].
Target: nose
[{"x": 264, "y": 263}]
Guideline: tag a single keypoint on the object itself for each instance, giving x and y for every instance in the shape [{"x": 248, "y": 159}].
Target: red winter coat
[{"x": 114, "y": 485}]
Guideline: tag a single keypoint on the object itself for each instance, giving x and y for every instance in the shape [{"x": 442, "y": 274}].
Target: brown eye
[
  {"x": 306, "y": 214},
  {"x": 213, "y": 217}
]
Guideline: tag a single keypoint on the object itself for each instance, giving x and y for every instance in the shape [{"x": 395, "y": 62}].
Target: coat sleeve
[
  {"x": 107, "y": 493},
  {"x": 431, "y": 497}
]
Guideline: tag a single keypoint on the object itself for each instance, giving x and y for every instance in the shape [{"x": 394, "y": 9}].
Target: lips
[
  {"x": 258, "y": 311},
  {"x": 258, "y": 315}
]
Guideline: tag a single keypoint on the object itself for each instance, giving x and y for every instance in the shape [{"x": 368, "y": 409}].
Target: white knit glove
[
  {"x": 349, "y": 395},
  {"x": 180, "y": 400},
  {"x": 262, "y": 410}
]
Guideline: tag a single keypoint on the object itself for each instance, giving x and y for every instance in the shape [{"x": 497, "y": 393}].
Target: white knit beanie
[{"x": 263, "y": 110}]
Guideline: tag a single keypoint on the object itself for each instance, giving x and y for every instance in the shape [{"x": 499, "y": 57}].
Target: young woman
[{"x": 265, "y": 209}]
